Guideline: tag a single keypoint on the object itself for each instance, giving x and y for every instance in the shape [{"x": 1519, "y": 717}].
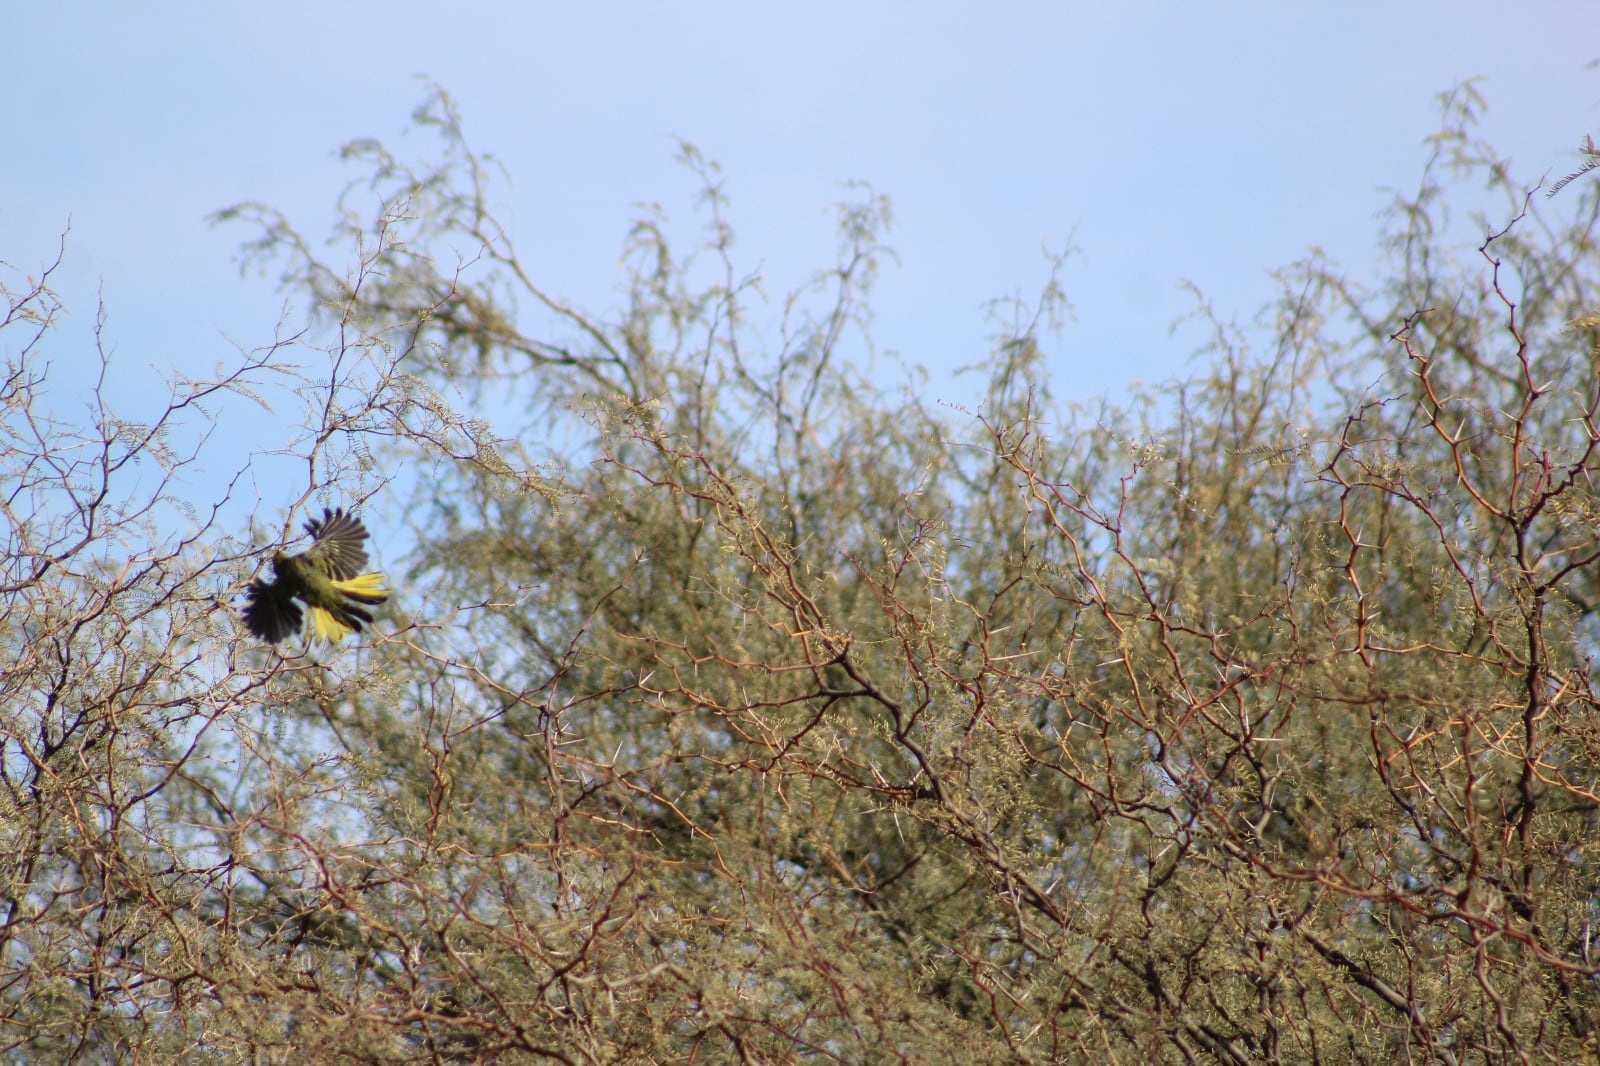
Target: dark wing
[
  {"x": 338, "y": 550},
  {"x": 271, "y": 613}
]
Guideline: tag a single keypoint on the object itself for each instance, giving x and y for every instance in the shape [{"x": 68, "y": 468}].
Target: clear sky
[{"x": 1210, "y": 142}]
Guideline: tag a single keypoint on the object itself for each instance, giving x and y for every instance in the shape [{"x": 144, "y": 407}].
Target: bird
[{"x": 326, "y": 577}]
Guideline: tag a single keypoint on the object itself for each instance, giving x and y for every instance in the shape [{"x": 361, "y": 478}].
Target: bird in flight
[{"x": 327, "y": 577}]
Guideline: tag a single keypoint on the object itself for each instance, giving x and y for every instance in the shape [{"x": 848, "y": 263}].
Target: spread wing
[
  {"x": 338, "y": 549},
  {"x": 271, "y": 613}
]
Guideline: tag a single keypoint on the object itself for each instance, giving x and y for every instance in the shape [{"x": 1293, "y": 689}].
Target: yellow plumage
[
  {"x": 326, "y": 577},
  {"x": 367, "y": 588}
]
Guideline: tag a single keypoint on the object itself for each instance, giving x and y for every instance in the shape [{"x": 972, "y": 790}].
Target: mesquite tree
[{"x": 735, "y": 706}]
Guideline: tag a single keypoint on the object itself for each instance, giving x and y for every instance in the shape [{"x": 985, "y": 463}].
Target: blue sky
[{"x": 1202, "y": 142}]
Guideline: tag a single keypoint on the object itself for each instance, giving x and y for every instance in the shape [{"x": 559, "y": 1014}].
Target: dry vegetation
[{"x": 738, "y": 710}]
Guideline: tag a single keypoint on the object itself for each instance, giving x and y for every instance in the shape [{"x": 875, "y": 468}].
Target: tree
[{"x": 745, "y": 709}]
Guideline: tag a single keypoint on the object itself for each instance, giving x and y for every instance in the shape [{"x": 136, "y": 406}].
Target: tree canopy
[{"x": 736, "y": 704}]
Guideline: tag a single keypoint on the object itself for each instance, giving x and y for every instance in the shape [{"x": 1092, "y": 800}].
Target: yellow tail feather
[
  {"x": 367, "y": 588},
  {"x": 325, "y": 626}
]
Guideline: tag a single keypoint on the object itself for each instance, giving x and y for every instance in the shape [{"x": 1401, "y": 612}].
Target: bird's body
[{"x": 326, "y": 577}]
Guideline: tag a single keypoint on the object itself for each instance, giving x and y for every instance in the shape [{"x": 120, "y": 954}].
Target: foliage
[{"x": 745, "y": 709}]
